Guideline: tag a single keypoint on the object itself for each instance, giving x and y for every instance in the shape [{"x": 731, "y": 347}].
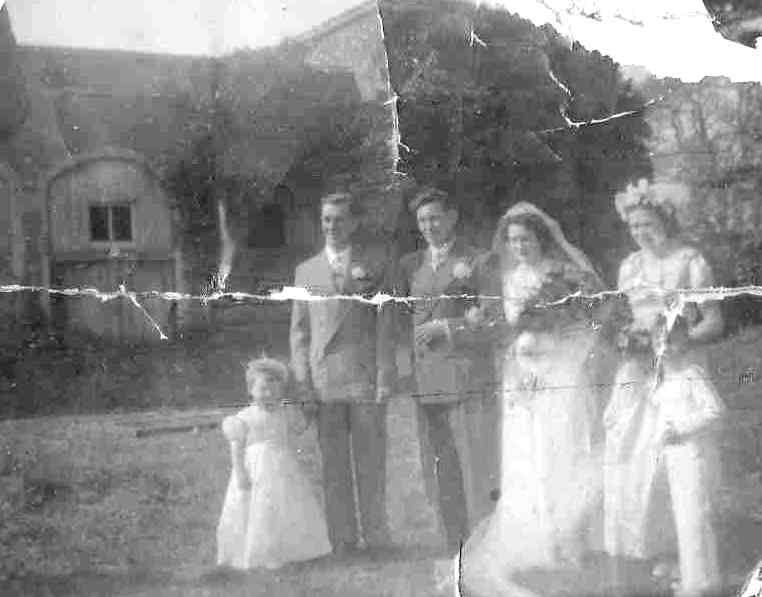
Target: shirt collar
[
  {"x": 337, "y": 257},
  {"x": 443, "y": 251}
]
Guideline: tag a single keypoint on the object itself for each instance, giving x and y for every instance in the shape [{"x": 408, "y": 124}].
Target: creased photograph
[{"x": 381, "y": 298}]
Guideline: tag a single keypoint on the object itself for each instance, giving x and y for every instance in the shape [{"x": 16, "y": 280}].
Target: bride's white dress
[{"x": 551, "y": 479}]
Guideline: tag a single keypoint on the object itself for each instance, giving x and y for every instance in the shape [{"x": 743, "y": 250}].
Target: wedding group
[{"x": 530, "y": 458}]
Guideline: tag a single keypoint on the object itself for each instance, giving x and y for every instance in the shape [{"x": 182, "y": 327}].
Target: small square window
[
  {"x": 121, "y": 223},
  {"x": 99, "y": 223},
  {"x": 111, "y": 223}
]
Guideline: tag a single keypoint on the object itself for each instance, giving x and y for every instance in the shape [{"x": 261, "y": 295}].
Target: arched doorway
[{"x": 110, "y": 225}]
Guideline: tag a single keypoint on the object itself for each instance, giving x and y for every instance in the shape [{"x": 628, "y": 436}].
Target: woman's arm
[
  {"x": 709, "y": 325},
  {"x": 237, "y": 457}
]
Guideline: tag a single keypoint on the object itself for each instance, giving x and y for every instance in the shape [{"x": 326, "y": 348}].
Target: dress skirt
[{"x": 279, "y": 520}]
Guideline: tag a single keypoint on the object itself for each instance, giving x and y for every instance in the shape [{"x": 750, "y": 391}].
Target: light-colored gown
[
  {"x": 551, "y": 477},
  {"x": 279, "y": 520},
  {"x": 641, "y": 475}
]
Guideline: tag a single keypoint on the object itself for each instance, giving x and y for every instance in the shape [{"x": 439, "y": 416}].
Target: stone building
[{"x": 87, "y": 193}]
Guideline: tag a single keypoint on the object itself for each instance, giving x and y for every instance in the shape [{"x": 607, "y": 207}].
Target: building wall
[
  {"x": 106, "y": 182},
  {"x": 86, "y": 101}
]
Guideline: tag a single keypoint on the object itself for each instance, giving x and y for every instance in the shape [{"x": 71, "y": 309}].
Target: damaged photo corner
[{"x": 425, "y": 297}]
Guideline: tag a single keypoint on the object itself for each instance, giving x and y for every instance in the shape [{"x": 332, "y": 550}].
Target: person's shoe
[
  {"x": 379, "y": 541},
  {"x": 343, "y": 549}
]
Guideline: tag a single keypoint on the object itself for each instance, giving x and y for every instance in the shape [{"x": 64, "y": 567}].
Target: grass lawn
[
  {"x": 86, "y": 507},
  {"x": 86, "y": 501}
]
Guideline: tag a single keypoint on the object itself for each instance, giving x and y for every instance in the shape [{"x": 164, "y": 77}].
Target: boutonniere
[
  {"x": 360, "y": 274},
  {"x": 462, "y": 270}
]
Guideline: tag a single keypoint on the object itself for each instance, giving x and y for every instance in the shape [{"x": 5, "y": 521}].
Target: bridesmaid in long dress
[{"x": 663, "y": 404}]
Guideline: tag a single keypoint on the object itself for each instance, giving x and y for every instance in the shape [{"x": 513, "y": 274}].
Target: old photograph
[{"x": 381, "y": 298}]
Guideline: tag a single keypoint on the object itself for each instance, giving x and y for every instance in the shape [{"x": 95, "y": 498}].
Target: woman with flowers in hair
[
  {"x": 660, "y": 463},
  {"x": 545, "y": 334}
]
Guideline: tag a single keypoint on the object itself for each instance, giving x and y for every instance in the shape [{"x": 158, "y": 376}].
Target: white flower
[
  {"x": 359, "y": 273},
  {"x": 474, "y": 316},
  {"x": 461, "y": 270},
  {"x": 664, "y": 194}
]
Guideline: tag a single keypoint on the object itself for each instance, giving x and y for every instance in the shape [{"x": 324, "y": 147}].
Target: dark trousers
[
  {"x": 442, "y": 470},
  {"x": 360, "y": 428}
]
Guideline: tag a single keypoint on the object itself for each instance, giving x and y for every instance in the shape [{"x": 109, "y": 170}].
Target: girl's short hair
[{"x": 266, "y": 366}]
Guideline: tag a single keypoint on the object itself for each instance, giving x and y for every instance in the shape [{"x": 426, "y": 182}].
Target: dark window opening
[
  {"x": 267, "y": 223},
  {"x": 99, "y": 223},
  {"x": 267, "y": 227},
  {"x": 110, "y": 223},
  {"x": 121, "y": 222}
]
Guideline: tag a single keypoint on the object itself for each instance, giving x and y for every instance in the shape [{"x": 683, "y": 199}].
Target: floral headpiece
[
  {"x": 266, "y": 365},
  {"x": 661, "y": 196}
]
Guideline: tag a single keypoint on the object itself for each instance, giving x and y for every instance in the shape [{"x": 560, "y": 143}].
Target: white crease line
[
  {"x": 144, "y": 311},
  {"x": 288, "y": 293},
  {"x": 576, "y": 125}
]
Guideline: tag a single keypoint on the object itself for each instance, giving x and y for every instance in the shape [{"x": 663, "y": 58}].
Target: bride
[{"x": 545, "y": 338}]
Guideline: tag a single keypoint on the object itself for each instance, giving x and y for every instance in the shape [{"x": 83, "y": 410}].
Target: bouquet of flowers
[{"x": 550, "y": 301}]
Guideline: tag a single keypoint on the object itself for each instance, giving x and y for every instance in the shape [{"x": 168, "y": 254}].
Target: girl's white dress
[
  {"x": 279, "y": 519},
  {"x": 642, "y": 477}
]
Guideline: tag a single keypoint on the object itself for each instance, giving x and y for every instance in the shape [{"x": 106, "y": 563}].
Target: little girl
[{"x": 270, "y": 515}]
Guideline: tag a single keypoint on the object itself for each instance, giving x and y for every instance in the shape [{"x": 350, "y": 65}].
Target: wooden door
[{"x": 116, "y": 318}]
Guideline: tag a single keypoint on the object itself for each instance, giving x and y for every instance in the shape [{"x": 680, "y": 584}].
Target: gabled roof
[
  {"x": 345, "y": 19},
  {"x": 201, "y": 28}
]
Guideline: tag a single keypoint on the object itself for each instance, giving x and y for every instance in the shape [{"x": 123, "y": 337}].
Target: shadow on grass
[
  {"x": 361, "y": 574},
  {"x": 83, "y": 583}
]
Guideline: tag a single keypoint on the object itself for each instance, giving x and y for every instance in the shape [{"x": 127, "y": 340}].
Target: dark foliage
[
  {"x": 482, "y": 115},
  {"x": 737, "y": 20},
  {"x": 13, "y": 98},
  {"x": 270, "y": 111}
]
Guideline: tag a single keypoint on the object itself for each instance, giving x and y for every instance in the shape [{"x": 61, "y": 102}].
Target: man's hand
[
  {"x": 429, "y": 333},
  {"x": 474, "y": 316},
  {"x": 243, "y": 481},
  {"x": 308, "y": 403},
  {"x": 670, "y": 436},
  {"x": 310, "y": 411}
]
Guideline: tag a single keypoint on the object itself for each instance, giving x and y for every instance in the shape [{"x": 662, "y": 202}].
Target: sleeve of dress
[
  {"x": 626, "y": 272},
  {"x": 234, "y": 429},
  {"x": 700, "y": 274}
]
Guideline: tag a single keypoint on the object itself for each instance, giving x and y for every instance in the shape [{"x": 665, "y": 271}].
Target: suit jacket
[
  {"x": 444, "y": 373},
  {"x": 336, "y": 344}
]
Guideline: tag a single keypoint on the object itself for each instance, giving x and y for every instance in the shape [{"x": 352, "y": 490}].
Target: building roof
[{"x": 157, "y": 26}]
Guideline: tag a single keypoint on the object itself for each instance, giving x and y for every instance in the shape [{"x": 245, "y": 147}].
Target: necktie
[
  {"x": 437, "y": 259},
  {"x": 338, "y": 266}
]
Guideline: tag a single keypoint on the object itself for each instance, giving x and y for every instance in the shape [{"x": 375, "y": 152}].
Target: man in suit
[
  {"x": 453, "y": 382},
  {"x": 339, "y": 362}
]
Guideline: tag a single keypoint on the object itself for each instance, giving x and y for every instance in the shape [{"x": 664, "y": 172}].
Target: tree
[
  {"x": 13, "y": 99},
  {"x": 707, "y": 135},
  {"x": 266, "y": 111},
  {"x": 737, "y": 20},
  {"x": 484, "y": 102}
]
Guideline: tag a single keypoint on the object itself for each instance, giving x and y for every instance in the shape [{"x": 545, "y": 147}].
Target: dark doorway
[{"x": 267, "y": 225}]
